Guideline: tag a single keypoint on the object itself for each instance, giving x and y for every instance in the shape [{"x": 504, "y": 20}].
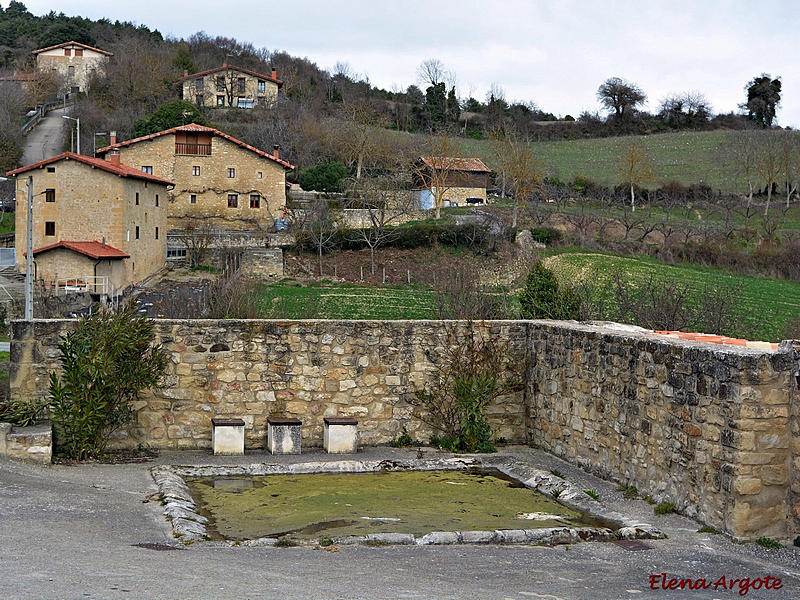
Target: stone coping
[
  {"x": 227, "y": 422},
  {"x": 340, "y": 421},
  {"x": 283, "y": 421},
  {"x": 188, "y": 526}
]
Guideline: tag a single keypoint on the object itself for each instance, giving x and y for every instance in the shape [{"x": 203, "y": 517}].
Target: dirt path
[{"x": 45, "y": 139}]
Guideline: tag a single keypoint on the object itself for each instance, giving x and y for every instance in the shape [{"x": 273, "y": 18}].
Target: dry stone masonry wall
[{"x": 711, "y": 428}]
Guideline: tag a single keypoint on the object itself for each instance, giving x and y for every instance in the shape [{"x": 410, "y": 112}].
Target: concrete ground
[{"x": 69, "y": 532}]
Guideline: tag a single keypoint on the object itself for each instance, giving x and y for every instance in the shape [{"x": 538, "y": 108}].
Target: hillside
[{"x": 687, "y": 157}]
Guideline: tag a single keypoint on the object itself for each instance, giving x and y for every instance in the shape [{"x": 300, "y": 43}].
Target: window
[
  {"x": 240, "y": 85},
  {"x": 50, "y": 195},
  {"x": 200, "y": 84},
  {"x": 176, "y": 253},
  {"x": 220, "y": 100},
  {"x": 259, "y": 175},
  {"x": 262, "y": 86},
  {"x": 51, "y": 169},
  {"x": 233, "y": 200},
  {"x": 67, "y": 51},
  {"x": 147, "y": 169},
  {"x": 196, "y": 170},
  {"x": 156, "y": 199},
  {"x": 231, "y": 172},
  {"x": 221, "y": 83},
  {"x": 255, "y": 201},
  {"x": 49, "y": 227},
  {"x": 199, "y": 99},
  {"x": 193, "y": 199},
  {"x": 137, "y": 198},
  {"x": 156, "y": 232},
  {"x": 243, "y": 102},
  {"x": 137, "y": 232},
  {"x": 78, "y": 51},
  {"x": 71, "y": 70}
]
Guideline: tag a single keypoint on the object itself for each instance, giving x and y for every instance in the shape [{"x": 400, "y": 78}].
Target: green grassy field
[
  {"x": 346, "y": 301},
  {"x": 765, "y": 305},
  {"x": 687, "y": 157}
]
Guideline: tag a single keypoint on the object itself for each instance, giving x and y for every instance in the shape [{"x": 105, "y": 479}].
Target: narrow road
[{"x": 45, "y": 140}]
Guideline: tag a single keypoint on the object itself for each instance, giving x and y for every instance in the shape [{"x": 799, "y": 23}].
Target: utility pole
[{"x": 29, "y": 256}]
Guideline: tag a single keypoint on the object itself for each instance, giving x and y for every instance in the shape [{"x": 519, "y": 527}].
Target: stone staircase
[{"x": 11, "y": 274}]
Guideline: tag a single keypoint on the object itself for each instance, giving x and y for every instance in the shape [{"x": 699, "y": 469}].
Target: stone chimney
[
  {"x": 274, "y": 73},
  {"x": 113, "y": 156},
  {"x": 104, "y": 241},
  {"x": 276, "y": 151},
  {"x": 112, "y": 138},
  {"x": 185, "y": 73}
]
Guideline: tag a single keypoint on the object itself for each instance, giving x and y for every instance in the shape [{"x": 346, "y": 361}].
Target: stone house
[
  {"x": 92, "y": 219},
  {"x": 73, "y": 62},
  {"x": 230, "y": 86},
  {"x": 464, "y": 180},
  {"x": 220, "y": 182}
]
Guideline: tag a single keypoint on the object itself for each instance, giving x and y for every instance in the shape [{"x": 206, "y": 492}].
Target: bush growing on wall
[
  {"x": 326, "y": 177},
  {"x": 472, "y": 373},
  {"x": 106, "y": 362}
]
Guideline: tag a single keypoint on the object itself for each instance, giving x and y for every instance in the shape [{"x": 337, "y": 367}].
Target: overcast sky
[{"x": 554, "y": 53}]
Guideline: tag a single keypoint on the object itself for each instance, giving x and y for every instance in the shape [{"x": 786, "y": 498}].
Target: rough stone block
[{"x": 283, "y": 436}]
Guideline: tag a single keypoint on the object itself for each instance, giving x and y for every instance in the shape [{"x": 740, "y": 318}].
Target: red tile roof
[
  {"x": 99, "y": 163},
  {"x": 225, "y": 67},
  {"x": 455, "y": 164},
  {"x": 719, "y": 339},
  {"x": 94, "y": 250},
  {"x": 73, "y": 43},
  {"x": 194, "y": 127}
]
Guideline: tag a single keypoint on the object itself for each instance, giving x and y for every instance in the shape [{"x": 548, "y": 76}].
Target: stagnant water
[{"x": 334, "y": 504}]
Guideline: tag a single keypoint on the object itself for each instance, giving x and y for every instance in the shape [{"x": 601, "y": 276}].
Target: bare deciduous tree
[
  {"x": 635, "y": 169},
  {"x": 522, "y": 168}
]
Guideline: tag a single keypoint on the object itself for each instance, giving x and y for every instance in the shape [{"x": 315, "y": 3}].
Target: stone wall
[
  {"x": 254, "y": 369},
  {"x": 794, "y": 419},
  {"x": 706, "y": 426},
  {"x": 703, "y": 426},
  {"x": 262, "y": 263}
]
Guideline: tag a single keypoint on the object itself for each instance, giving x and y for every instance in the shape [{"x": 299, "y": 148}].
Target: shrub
[
  {"x": 171, "y": 114},
  {"x": 403, "y": 440},
  {"x": 545, "y": 235},
  {"x": 21, "y": 413},
  {"x": 544, "y": 298},
  {"x": 473, "y": 372},
  {"x": 768, "y": 543},
  {"x": 106, "y": 362},
  {"x": 326, "y": 177},
  {"x": 664, "y": 508}
]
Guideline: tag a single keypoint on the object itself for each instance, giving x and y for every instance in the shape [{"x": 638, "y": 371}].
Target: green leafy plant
[
  {"x": 557, "y": 473},
  {"x": 325, "y": 541},
  {"x": 544, "y": 298},
  {"x": 592, "y": 494},
  {"x": 284, "y": 542},
  {"x": 796, "y": 541},
  {"x": 472, "y": 371},
  {"x": 767, "y": 542},
  {"x": 707, "y": 529},
  {"x": 403, "y": 440},
  {"x": 106, "y": 362},
  {"x": 628, "y": 491},
  {"x": 664, "y": 508},
  {"x": 22, "y": 413}
]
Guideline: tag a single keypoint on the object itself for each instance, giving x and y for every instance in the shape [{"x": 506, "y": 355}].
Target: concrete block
[
  {"x": 227, "y": 436},
  {"x": 340, "y": 435},
  {"x": 283, "y": 436}
]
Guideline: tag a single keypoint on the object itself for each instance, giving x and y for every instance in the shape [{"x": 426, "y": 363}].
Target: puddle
[{"x": 336, "y": 504}]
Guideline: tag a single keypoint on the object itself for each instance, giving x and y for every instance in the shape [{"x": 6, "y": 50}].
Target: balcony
[{"x": 193, "y": 149}]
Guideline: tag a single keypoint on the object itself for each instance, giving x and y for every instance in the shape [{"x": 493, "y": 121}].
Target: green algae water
[{"x": 334, "y": 504}]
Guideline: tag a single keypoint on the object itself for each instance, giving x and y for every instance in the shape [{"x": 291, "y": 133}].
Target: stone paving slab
[{"x": 69, "y": 532}]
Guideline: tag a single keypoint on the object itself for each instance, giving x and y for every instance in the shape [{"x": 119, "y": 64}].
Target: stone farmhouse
[
  {"x": 230, "y": 86},
  {"x": 98, "y": 224},
  {"x": 74, "y": 62},
  {"x": 465, "y": 180},
  {"x": 220, "y": 182}
]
